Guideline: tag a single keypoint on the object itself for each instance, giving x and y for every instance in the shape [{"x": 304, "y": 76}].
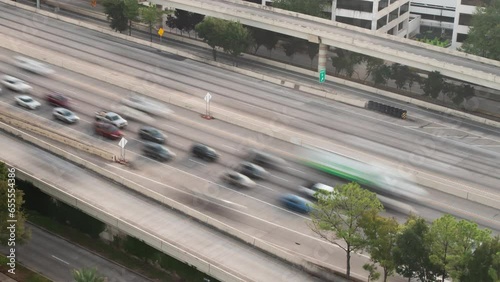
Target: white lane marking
[
  {"x": 485, "y": 145},
  {"x": 265, "y": 187},
  {"x": 176, "y": 143},
  {"x": 289, "y": 167},
  {"x": 280, "y": 178},
  {"x": 60, "y": 260},
  {"x": 229, "y": 147},
  {"x": 229, "y": 189},
  {"x": 197, "y": 162},
  {"x": 173, "y": 127}
]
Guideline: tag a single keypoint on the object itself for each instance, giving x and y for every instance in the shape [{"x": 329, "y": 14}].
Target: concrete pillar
[
  {"x": 334, "y": 9},
  {"x": 322, "y": 56}
]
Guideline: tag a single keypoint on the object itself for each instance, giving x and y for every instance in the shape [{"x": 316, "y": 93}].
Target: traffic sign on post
[
  {"x": 161, "y": 31},
  {"x": 207, "y": 99},
  {"x": 122, "y": 142},
  {"x": 322, "y": 76}
]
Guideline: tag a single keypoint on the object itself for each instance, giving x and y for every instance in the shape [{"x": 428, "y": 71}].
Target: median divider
[{"x": 10, "y": 117}]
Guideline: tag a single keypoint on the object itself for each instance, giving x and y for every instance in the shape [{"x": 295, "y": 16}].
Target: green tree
[
  {"x": 433, "y": 85},
  {"x": 345, "y": 61},
  {"x": 412, "y": 251},
  {"x": 211, "y": 31},
  {"x": 381, "y": 233},
  {"x": 11, "y": 204},
  {"x": 468, "y": 238},
  {"x": 262, "y": 37},
  {"x": 373, "y": 275},
  {"x": 150, "y": 15},
  {"x": 293, "y": 45},
  {"x": 338, "y": 215},
  {"x": 185, "y": 20},
  {"x": 442, "y": 235},
  {"x": 308, "y": 7},
  {"x": 312, "y": 51},
  {"x": 372, "y": 63},
  {"x": 483, "y": 38},
  {"x": 131, "y": 12},
  {"x": 484, "y": 264},
  {"x": 401, "y": 74},
  {"x": 87, "y": 275},
  {"x": 236, "y": 39},
  {"x": 115, "y": 11},
  {"x": 380, "y": 74}
]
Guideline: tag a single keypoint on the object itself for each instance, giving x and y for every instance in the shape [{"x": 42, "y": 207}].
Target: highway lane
[
  {"x": 341, "y": 126},
  {"x": 150, "y": 216},
  {"x": 267, "y": 193},
  {"x": 56, "y": 258}
]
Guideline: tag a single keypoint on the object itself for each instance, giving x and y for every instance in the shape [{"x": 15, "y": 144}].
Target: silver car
[
  {"x": 65, "y": 115},
  {"x": 238, "y": 179},
  {"x": 32, "y": 66},
  {"x": 15, "y": 84},
  {"x": 27, "y": 102}
]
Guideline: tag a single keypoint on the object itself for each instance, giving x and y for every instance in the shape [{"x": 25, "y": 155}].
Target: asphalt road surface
[{"x": 56, "y": 258}]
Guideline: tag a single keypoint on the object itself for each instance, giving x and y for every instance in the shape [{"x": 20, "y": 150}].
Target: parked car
[
  {"x": 238, "y": 179},
  {"x": 32, "y": 66},
  {"x": 204, "y": 152},
  {"x": 107, "y": 130},
  {"x": 15, "y": 84},
  {"x": 252, "y": 170},
  {"x": 265, "y": 159},
  {"x": 310, "y": 190},
  {"x": 59, "y": 100},
  {"x": 27, "y": 102},
  {"x": 65, "y": 115},
  {"x": 296, "y": 203},
  {"x": 110, "y": 117},
  {"x": 152, "y": 134},
  {"x": 157, "y": 151}
]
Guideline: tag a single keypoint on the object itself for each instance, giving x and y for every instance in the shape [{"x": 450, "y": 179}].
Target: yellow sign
[{"x": 160, "y": 31}]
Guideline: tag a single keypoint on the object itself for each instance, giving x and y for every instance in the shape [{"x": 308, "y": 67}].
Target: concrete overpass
[{"x": 458, "y": 65}]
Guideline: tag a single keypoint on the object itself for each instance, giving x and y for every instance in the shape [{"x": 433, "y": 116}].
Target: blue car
[{"x": 296, "y": 203}]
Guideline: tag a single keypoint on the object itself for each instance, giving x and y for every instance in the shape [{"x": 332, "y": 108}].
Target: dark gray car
[
  {"x": 152, "y": 134},
  {"x": 204, "y": 152},
  {"x": 157, "y": 152}
]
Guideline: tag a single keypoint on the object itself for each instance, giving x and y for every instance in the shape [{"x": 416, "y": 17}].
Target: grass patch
[
  {"x": 22, "y": 273},
  {"x": 106, "y": 250}
]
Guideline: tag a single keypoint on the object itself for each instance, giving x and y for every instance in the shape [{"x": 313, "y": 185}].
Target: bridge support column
[{"x": 322, "y": 56}]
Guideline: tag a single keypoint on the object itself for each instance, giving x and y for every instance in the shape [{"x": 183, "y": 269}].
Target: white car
[
  {"x": 27, "y": 102},
  {"x": 311, "y": 190},
  {"x": 147, "y": 105},
  {"x": 111, "y": 117},
  {"x": 65, "y": 115},
  {"x": 32, "y": 66},
  {"x": 15, "y": 84},
  {"x": 238, "y": 179}
]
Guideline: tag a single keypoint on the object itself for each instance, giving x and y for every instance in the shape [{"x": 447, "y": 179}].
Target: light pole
[{"x": 38, "y": 4}]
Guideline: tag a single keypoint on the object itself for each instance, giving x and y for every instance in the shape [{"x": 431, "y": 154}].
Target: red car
[
  {"x": 59, "y": 100},
  {"x": 107, "y": 130}
]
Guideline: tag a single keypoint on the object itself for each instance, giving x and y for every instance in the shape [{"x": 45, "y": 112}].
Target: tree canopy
[
  {"x": 150, "y": 15},
  {"x": 87, "y": 275},
  {"x": 483, "y": 38},
  {"x": 339, "y": 215},
  {"x": 115, "y": 10}
]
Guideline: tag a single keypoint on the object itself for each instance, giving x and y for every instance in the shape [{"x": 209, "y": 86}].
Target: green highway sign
[{"x": 322, "y": 76}]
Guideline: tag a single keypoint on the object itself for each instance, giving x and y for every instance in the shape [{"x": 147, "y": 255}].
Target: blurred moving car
[
  {"x": 107, "y": 130},
  {"x": 296, "y": 203},
  {"x": 157, "y": 151},
  {"x": 152, "y": 134},
  {"x": 110, "y": 117},
  {"x": 65, "y": 115},
  {"x": 132, "y": 114},
  {"x": 310, "y": 190},
  {"x": 238, "y": 179},
  {"x": 265, "y": 159},
  {"x": 15, "y": 84},
  {"x": 204, "y": 152},
  {"x": 32, "y": 66},
  {"x": 27, "y": 102},
  {"x": 146, "y": 105},
  {"x": 59, "y": 100},
  {"x": 252, "y": 170}
]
